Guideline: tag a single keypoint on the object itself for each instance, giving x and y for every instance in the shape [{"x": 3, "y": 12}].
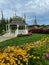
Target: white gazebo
[{"x": 17, "y": 31}]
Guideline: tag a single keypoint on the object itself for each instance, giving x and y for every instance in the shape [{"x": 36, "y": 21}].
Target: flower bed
[
  {"x": 29, "y": 54},
  {"x": 40, "y": 30}
]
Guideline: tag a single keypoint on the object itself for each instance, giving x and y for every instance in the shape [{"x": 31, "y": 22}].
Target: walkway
[
  {"x": 2, "y": 38},
  {"x": 6, "y": 37}
]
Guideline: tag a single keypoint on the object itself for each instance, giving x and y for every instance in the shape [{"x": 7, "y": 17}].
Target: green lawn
[{"x": 23, "y": 40}]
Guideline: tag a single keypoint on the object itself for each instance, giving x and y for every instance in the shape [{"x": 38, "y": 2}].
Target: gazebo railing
[
  {"x": 21, "y": 31},
  {"x": 12, "y": 31}
]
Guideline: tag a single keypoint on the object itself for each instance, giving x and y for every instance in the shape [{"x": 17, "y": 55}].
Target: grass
[{"x": 23, "y": 40}]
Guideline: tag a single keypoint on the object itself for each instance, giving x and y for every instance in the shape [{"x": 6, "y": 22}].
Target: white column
[
  {"x": 25, "y": 27},
  {"x": 6, "y": 27},
  {"x": 17, "y": 27},
  {"x": 17, "y": 32},
  {"x": 26, "y": 30},
  {"x": 9, "y": 28}
]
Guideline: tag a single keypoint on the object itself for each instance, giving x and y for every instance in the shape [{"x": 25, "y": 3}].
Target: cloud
[
  {"x": 34, "y": 6},
  {"x": 24, "y": 6},
  {"x": 2, "y": 1},
  {"x": 37, "y": 6}
]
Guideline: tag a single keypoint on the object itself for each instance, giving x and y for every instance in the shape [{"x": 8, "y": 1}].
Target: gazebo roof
[
  {"x": 21, "y": 23},
  {"x": 18, "y": 21}
]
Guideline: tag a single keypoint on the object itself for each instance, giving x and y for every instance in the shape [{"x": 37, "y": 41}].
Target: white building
[{"x": 15, "y": 24}]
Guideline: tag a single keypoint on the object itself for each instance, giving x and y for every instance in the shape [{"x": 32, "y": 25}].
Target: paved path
[
  {"x": 2, "y": 38},
  {"x": 6, "y": 37}
]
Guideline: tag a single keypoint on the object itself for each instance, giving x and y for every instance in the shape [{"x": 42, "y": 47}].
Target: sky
[{"x": 31, "y": 8}]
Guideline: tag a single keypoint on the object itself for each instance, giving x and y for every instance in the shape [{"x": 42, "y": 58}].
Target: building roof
[
  {"x": 18, "y": 21},
  {"x": 21, "y": 23}
]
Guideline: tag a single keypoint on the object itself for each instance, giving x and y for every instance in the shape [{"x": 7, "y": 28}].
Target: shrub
[{"x": 39, "y": 30}]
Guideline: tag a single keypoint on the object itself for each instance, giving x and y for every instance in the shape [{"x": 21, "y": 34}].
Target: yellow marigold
[
  {"x": 29, "y": 46},
  {"x": 21, "y": 52},
  {"x": 18, "y": 62},
  {"x": 21, "y": 64}
]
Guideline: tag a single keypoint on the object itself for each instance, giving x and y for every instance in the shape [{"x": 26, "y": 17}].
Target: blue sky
[{"x": 31, "y": 8}]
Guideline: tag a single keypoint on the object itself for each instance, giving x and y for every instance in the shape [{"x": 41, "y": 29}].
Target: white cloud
[
  {"x": 37, "y": 6},
  {"x": 3, "y": 1},
  {"x": 29, "y": 6}
]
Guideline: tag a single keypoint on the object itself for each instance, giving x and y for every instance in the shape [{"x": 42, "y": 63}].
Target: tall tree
[{"x": 3, "y": 22}]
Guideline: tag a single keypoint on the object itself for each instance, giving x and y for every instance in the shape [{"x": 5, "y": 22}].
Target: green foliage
[
  {"x": 2, "y": 25},
  {"x": 43, "y": 26},
  {"x": 10, "y": 19},
  {"x": 23, "y": 40},
  {"x": 24, "y": 21}
]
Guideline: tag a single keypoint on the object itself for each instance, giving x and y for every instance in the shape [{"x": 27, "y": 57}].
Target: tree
[
  {"x": 3, "y": 23},
  {"x": 24, "y": 21},
  {"x": 43, "y": 26},
  {"x": 10, "y": 19}
]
